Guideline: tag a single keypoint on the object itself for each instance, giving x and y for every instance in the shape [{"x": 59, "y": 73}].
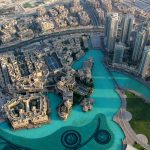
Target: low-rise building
[
  {"x": 26, "y": 34},
  {"x": 76, "y": 7},
  {"x": 53, "y": 12},
  {"x": 61, "y": 23},
  {"x": 45, "y": 23},
  {"x": 84, "y": 18},
  {"x": 41, "y": 11},
  {"x": 72, "y": 21},
  {"x": 63, "y": 12},
  {"x": 101, "y": 14},
  {"x": 5, "y": 38},
  {"x": 27, "y": 111}
]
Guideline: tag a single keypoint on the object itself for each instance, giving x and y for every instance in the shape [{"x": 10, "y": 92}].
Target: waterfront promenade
[
  {"x": 132, "y": 74},
  {"x": 131, "y": 136}
]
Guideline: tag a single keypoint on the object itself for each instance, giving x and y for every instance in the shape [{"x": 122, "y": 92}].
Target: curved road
[
  {"x": 91, "y": 12},
  {"x": 51, "y": 35}
]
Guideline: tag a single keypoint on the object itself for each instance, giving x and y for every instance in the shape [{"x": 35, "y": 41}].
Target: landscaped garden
[
  {"x": 140, "y": 114},
  {"x": 137, "y": 146},
  {"x": 31, "y": 5}
]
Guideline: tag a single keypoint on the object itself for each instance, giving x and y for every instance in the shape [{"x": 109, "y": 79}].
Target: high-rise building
[
  {"x": 145, "y": 24},
  {"x": 127, "y": 26},
  {"x": 140, "y": 43},
  {"x": 118, "y": 53},
  {"x": 144, "y": 68},
  {"x": 111, "y": 27}
]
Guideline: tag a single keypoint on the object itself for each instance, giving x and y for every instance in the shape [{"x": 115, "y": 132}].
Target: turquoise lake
[{"x": 107, "y": 104}]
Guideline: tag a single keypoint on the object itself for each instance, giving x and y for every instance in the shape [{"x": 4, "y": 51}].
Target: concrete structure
[
  {"x": 41, "y": 11},
  {"x": 106, "y": 5},
  {"x": 2, "y": 81},
  {"x": 111, "y": 27},
  {"x": 27, "y": 111},
  {"x": 45, "y": 26},
  {"x": 26, "y": 34},
  {"x": 66, "y": 86},
  {"x": 118, "y": 53},
  {"x": 84, "y": 19},
  {"x": 46, "y": 20},
  {"x": 76, "y": 7},
  {"x": 95, "y": 40},
  {"x": 127, "y": 27},
  {"x": 101, "y": 14},
  {"x": 76, "y": 2},
  {"x": 140, "y": 43},
  {"x": 37, "y": 68},
  {"x": 144, "y": 68},
  {"x": 23, "y": 71}
]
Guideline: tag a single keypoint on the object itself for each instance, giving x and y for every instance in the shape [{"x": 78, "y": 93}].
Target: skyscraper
[
  {"x": 144, "y": 68},
  {"x": 127, "y": 27},
  {"x": 118, "y": 53},
  {"x": 111, "y": 27},
  {"x": 140, "y": 43}
]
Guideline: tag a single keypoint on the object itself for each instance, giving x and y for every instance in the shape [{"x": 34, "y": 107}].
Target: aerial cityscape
[{"x": 75, "y": 74}]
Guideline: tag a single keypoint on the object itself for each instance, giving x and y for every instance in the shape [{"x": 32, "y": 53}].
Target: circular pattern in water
[
  {"x": 102, "y": 137},
  {"x": 52, "y": 133},
  {"x": 71, "y": 139}
]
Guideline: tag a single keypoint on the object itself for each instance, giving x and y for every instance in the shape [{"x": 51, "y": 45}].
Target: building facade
[
  {"x": 118, "y": 53},
  {"x": 127, "y": 26},
  {"x": 140, "y": 43},
  {"x": 144, "y": 68},
  {"x": 111, "y": 27}
]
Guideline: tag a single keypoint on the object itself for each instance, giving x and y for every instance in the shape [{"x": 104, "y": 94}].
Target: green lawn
[
  {"x": 140, "y": 113},
  {"x": 27, "y": 5},
  {"x": 137, "y": 146},
  {"x": 30, "y": 5}
]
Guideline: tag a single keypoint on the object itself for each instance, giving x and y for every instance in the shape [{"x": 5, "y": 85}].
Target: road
[
  {"x": 51, "y": 35},
  {"x": 91, "y": 12}
]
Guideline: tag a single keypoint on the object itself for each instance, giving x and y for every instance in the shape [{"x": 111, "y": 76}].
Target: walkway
[
  {"x": 112, "y": 77},
  {"x": 131, "y": 136}
]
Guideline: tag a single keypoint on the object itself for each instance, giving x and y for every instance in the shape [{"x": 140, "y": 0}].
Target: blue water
[
  {"x": 107, "y": 103},
  {"x": 130, "y": 83}
]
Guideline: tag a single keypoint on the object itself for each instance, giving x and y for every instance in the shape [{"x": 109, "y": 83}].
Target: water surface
[{"x": 107, "y": 104}]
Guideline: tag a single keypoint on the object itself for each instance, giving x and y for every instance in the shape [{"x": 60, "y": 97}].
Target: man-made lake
[{"x": 85, "y": 131}]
